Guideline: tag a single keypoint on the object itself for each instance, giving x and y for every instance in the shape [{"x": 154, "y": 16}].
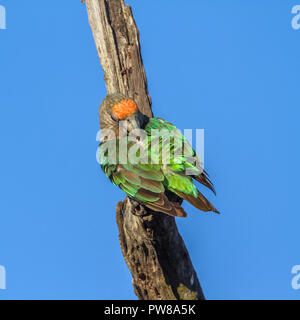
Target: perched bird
[{"x": 158, "y": 177}]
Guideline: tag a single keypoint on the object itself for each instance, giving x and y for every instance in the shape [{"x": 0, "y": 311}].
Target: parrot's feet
[{"x": 137, "y": 209}]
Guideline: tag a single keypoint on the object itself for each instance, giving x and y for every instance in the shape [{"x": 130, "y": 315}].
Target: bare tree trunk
[{"x": 151, "y": 244}]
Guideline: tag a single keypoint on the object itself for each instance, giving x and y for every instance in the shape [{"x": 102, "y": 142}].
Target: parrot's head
[{"x": 117, "y": 107}]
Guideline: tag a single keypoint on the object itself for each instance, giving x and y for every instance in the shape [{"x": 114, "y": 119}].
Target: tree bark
[{"x": 150, "y": 242}]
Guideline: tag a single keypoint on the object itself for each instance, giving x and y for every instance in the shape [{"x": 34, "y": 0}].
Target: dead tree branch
[{"x": 150, "y": 242}]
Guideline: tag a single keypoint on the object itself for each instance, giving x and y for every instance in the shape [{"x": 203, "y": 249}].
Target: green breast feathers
[{"x": 154, "y": 163}]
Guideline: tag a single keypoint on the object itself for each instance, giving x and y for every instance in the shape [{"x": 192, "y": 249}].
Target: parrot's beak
[{"x": 133, "y": 122}]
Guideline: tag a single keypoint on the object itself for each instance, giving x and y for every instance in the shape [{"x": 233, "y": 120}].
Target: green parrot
[{"x": 155, "y": 167}]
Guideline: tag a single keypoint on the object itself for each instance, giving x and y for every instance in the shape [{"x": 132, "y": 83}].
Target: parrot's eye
[{"x": 114, "y": 118}]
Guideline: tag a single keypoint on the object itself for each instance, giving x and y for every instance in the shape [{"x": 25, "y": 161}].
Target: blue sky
[{"x": 230, "y": 67}]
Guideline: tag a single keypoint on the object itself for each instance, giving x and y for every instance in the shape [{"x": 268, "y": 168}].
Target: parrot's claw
[{"x": 138, "y": 209}]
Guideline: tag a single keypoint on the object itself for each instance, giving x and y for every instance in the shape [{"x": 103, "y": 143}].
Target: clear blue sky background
[{"x": 230, "y": 67}]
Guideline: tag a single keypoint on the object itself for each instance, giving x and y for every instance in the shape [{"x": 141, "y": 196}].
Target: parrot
[{"x": 154, "y": 181}]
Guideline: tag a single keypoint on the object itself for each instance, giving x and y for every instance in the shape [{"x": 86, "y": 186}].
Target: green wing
[
  {"x": 144, "y": 183},
  {"x": 183, "y": 167}
]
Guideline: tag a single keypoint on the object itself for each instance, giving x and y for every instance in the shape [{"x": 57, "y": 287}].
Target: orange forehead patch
[{"x": 124, "y": 109}]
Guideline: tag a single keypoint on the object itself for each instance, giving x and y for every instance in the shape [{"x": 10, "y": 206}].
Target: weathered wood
[{"x": 150, "y": 242}]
